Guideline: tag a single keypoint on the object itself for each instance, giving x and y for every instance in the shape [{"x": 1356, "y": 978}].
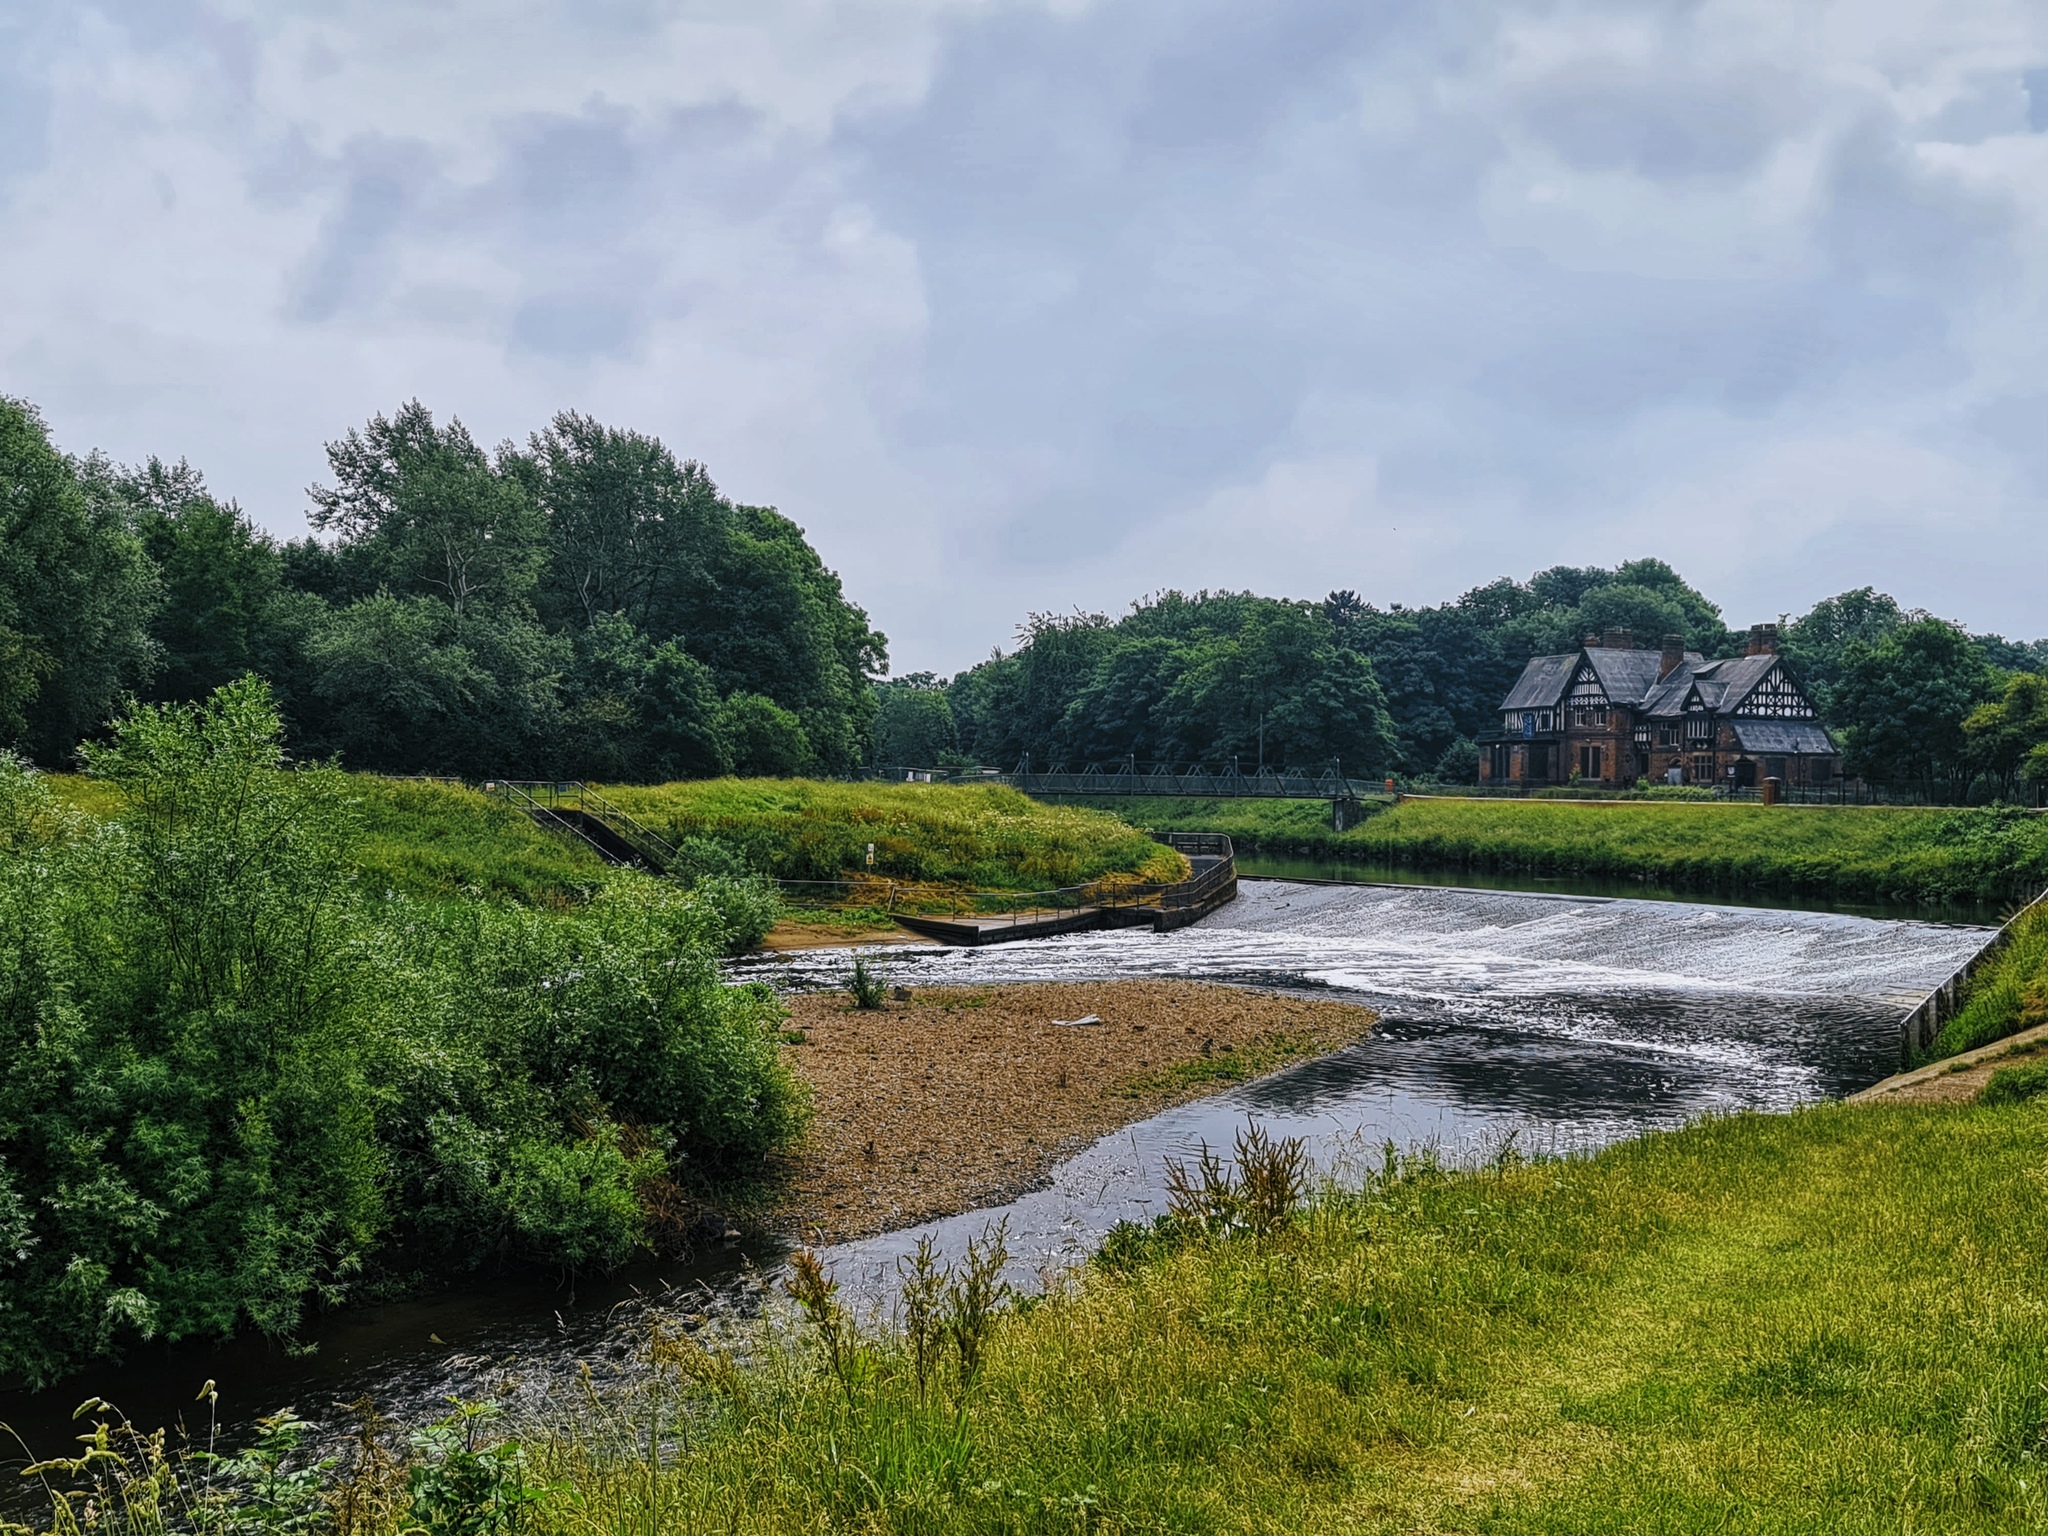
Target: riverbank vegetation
[
  {"x": 2007, "y": 994},
  {"x": 1886, "y": 853},
  {"x": 985, "y": 837},
  {"x": 1817, "y": 1321},
  {"x": 247, "y": 1076}
]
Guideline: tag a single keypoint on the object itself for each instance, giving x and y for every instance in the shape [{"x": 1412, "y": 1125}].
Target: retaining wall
[{"x": 1919, "y": 1029}]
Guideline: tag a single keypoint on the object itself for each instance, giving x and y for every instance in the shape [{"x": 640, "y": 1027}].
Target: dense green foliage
[
  {"x": 76, "y": 591},
  {"x": 587, "y": 606},
  {"x": 1825, "y": 1321},
  {"x": 243, "y": 1079},
  {"x": 1193, "y": 679},
  {"x": 1869, "y": 852},
  {"x": 988, "y": 837}
]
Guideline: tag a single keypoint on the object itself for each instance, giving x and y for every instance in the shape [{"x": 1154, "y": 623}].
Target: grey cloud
[
  {"x": 381, "y": 183},
  {"x": 1664, "y": 124}
]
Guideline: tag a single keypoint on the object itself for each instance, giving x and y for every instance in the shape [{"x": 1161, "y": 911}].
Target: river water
[{"x": 1562, "y": 1021}]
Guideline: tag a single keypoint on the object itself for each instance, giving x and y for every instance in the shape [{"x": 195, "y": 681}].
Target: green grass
[
  {"x": 986, "y": 837},
  {"x": 1827, "y": 1321},
  {"x": 425, "y": 839},
  {"x": 1855, "y": 852},
  {"x": 2007, "y": 994}
]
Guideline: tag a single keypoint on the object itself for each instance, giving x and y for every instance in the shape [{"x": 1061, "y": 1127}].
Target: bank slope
[{"x": 1848, "y": 852}]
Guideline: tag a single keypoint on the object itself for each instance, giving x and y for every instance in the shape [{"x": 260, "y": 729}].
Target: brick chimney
[
  {"x": 1592, "y": 642},
  {"x": 1763, "y": 640},
  {"x": 1673, "y": 657},
  {"x": 1620, "y": 640}
]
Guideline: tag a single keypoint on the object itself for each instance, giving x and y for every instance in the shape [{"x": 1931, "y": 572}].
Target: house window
[
  {"x": 1667, "y": 735},
  {"x": 1642, "y": 736},
  {"x": 1589, "y": 762},
  {"x": 1502, "y": 767},
  {"x": 1699, "y": 727},
  {"x": 1701, "y": 770}
]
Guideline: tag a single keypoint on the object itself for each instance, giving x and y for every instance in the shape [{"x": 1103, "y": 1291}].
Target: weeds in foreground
[
  {"x": 865, "y": 986},
  {"x": 1259, "y": 1194}
]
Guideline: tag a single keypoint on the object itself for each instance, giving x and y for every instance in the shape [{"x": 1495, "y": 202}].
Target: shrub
[{"x": 238, "y": 1082}]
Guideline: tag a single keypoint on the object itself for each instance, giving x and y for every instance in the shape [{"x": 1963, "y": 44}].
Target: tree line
[
  {"x": 1916, "y": 701},
  {"x": 585, "y": 605}
]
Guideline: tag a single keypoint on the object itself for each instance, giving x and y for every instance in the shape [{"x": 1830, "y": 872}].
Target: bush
[{"x": 237, "y": 1082}]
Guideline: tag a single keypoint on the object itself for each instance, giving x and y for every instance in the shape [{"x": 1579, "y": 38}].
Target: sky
[{"x": 1042, "y": 306}]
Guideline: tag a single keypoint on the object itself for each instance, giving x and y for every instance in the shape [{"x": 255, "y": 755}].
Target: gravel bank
[{"x": 966, "y": 1097}]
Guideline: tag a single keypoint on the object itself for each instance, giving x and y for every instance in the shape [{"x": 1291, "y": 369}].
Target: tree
[
  {"x": 1817, "y": 643},
  {"x": 432, "y": 512},
  {"x": 913, "y": 723},
  {"x": 760, "y": 738},
  {"x": 1902, "y": 702},
  {"x": 76, "y": 591},
  {"x": 220, "y": 578},
  {"x": 2008, "y": 736}
]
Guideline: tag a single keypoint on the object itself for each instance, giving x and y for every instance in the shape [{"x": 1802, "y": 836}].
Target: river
[{"x": 1563, "y": 1021}]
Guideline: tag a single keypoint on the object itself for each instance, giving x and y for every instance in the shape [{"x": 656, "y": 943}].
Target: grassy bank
[
  {"x": 424, "y": 839},
  {"x": 984, "y": 836},
  {"x": 1856, "y": 852},
  {"x": 2008, "y": 994},
  {"x": 1823, "y": 1321}
]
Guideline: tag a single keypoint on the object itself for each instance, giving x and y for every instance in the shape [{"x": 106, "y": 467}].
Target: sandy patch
[
  {"x": 966, "y": 1097},
  {"x": 794, "y": 935}
]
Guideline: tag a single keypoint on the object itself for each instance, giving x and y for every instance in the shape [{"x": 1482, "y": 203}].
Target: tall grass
[
  {"x": 1867, "y": 852},
  {"x": 1827, "y": 1321},
  {"x": 984, "y": 836}
]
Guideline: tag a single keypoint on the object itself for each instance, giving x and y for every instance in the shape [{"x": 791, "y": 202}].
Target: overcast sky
[{"x": 1031, "y": 306}]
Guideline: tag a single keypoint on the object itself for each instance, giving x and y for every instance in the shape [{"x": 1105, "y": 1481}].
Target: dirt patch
[
  {"x": 1959, "y": 1081},
  {"x": 966, "y": 1097},
  {"x": 797, "y": 935}
]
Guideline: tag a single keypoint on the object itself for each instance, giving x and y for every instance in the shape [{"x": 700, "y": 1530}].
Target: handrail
[{"x": 543, "y": 796}]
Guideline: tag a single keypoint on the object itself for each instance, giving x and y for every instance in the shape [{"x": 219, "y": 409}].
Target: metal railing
[{"x": 572, "y": 806}]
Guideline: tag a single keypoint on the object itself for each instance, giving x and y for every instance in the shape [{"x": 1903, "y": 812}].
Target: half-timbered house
[{"x": 1610, "y": 713}]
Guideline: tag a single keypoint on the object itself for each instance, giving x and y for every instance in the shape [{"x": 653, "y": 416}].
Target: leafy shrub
[{"x": 238, "y": 1082}]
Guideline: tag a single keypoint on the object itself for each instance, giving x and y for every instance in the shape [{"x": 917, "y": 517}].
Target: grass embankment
[
  {"x": 1854, "y": 852},
  {"x": 424, "y": 839},
  {"x": 1822, "y": 1321},
  {"x": 2008, "y": 994},
  {"x": 984, "y": 837}
]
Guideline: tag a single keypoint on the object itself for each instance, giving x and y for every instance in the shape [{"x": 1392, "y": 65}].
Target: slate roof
[
  {"x": 1542, "y": 683},
  {"x": 1630, "y": 678},
  {"x": 1627, "y": 676},
  {"x": 1786, "y": 736}
]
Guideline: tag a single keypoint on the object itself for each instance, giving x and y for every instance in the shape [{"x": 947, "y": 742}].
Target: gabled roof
[
  {"x": 1724, "y": 684},
  {"x": 1789, "y": 736},
  {"x": 1542, "y": 683},
  {"x": 1628, "y": 676}
]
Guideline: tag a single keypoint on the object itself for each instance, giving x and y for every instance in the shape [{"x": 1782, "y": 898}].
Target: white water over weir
[{"x": 1567, "y": 1021}]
